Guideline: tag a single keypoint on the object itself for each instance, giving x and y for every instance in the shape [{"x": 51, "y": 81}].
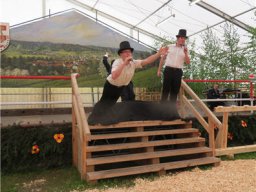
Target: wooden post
[
  {"x": 74, "y": 135},
  {"x": 92, "y": 94},
  {"x": 84, "y": 157},
  {"x": 211, "y": 136},
  {"x": 219, "y": 138},
  {"x": 181, "y": 102},
  {"x": 225, "y": 130}
]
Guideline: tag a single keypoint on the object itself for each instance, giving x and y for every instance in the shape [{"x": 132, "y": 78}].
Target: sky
[{"x": 176, "y": 14}]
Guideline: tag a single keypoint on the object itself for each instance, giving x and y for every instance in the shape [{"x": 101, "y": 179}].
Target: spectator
[{"x": 214, "y": 93}]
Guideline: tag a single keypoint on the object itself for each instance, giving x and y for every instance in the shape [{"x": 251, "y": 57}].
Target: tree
[
  {"x": 210, "y": 61},
  {"x": 250, "y": 51},
  {"x": 234, "y": 59},
  {"x": 191, "y": 70}
]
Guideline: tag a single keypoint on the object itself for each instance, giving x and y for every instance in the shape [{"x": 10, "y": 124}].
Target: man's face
[
  {"x": 216, "y": 86},
  {"x": 181, "y": 40},
  {"x": 125, "y": 53}
]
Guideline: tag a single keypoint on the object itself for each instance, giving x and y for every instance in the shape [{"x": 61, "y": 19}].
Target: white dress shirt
[
  {"x": 175, "y": 57},
  {"x": 127, "y": 73}
]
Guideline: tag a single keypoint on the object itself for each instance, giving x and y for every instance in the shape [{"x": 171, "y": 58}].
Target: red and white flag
[{"x": 4, "y": 36}]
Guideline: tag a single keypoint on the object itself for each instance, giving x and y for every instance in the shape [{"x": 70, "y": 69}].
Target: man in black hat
[
  {"x": 173, "y": 62},
  {"x": 122, "y": 72},
  {"x": 128, "y": 92}
]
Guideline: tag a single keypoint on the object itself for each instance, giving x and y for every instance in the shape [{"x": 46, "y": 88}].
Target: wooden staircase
[{"x": 137, "y": 147}]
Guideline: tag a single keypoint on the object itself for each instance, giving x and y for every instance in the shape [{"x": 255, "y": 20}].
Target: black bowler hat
[
  {"x": 123, "y": 46},
  {"x": 182, "y": 33}
]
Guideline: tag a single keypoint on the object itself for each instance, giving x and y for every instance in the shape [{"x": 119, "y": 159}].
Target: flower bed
[
  {"x": 51, "y": 146},
  {"x": 241, "y": 130},
  {"x": 35, "y": 147}
]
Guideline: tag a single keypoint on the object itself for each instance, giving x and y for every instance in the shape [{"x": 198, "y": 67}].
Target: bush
[
  {"x": 17, "y": 147},
  {"x": 241, "y": 130}
]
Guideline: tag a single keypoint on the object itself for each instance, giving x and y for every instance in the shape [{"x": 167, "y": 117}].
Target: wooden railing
[
  {"x": 80, "y": 129},
  {"x": 222, "y": 135},
  {"x": 212, "y": 123}
]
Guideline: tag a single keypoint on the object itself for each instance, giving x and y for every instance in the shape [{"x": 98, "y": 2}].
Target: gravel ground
[{"x": 230, "y": 176}]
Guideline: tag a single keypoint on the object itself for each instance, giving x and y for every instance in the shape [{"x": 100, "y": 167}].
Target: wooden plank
[
  {"x": 211, "y": 135},
  {"x": 235, "y": 108},
  {"x": 236, "y": 150},
  {"x": 74, "y": 138},
  {"x": 181, "y": 103},
  {"x": 78, "y": 118},
  {"x": 137, "y": 124},
  {"x": 151, "y": 168},
  {"x": 196, "y": 113},
  {"x": 225, "y": 130},
  {"x": 144, "y": 133},
  {"x": 201, "y": 104},
  {"x": 146, "y": 155},
  {"x": 144, "y": 144},
  {"x": 80, "y": 107},
  {"x": 84, "y": 156}
]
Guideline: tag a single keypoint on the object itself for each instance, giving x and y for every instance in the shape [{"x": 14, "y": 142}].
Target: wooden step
[
  {"x": 143, "y": 133},
  {"x": 147, "y": 155},
  {"x": 138, "y": 124},
  {"x": 150, "y": 168},
  {"x": 144, "y": 144}
]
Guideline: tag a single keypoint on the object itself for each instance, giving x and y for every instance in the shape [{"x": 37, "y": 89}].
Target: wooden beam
[
  {"x": 135, "y": 145},
  {"x": 81, "y": 112},
  {"x": 138, "y": 123},
  {"x": 144, "y": 133},
  {"x": 74, "y": 138},
  {"x": 236, "y": 150},
  {"x": 196, "y": 113},
  {"x": 201, "y": 104},
  {"x": 211, "y": 136},
  {"x": 235, "y": 108},
  {"x": 225, "y": 130}
]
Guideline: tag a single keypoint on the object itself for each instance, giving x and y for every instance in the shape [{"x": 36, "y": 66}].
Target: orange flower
[
  {"x": 35, "y": 149},
  {"x": 243, "y": 123},
  {"x": 58, "y": 137},
  {"x": 230, "y": 136}
]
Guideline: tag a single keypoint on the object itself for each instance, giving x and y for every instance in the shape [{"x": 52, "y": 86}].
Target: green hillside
[
  {"x": 148, "y": 78},
  {"x": 144, "y": 78},
  {"x": 51, "y": 59}
]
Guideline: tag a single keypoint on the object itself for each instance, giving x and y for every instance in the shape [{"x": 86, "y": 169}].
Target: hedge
[
  {"x": 43, "y": 147},
  {"x": 35, "y": 147}
]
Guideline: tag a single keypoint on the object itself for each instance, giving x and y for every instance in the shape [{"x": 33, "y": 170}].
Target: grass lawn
[{"x": 68, "y": 179}]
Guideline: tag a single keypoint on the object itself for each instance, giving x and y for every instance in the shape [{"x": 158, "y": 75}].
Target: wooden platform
[{"x": 137, "y": 147}]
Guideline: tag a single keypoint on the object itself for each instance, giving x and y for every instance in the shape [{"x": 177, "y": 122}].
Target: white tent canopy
[{"x": 145, "y": 20}]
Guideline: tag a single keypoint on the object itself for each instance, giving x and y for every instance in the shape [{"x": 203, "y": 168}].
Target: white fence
[{"x": 26, "y": 98}]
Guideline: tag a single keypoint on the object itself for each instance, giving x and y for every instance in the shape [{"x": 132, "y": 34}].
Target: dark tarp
[{"x": 135, "y": 111}]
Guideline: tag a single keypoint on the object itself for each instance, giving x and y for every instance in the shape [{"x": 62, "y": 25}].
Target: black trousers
[
  {"x": 171, "y": 83},
  {"x": 128, "y": 93},
  {"x": 215, "y": 104},
  {"x": 109, "y": 97}
]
